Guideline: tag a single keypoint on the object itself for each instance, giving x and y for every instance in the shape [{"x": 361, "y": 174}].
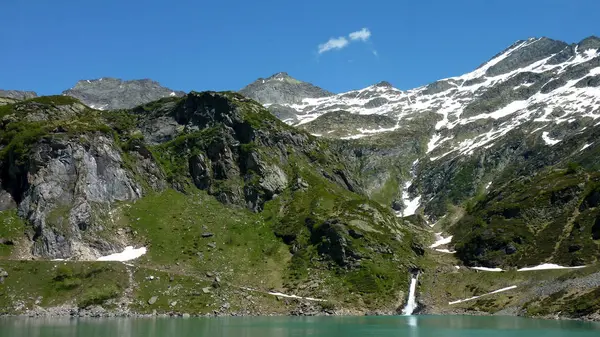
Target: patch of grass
[
  {"x": 55, "y": 100},
  {"x": 98, "y": 296},
  {"x": 57, "y": 283},
  {"x": 389, "y": 191},
  {"x": 12, "y": 228},
  {"x": 245, "y": 249},
  {"x": 443, "y": 284}
]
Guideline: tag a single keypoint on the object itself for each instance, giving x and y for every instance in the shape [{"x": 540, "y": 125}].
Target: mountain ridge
[{"x": 341, "y": 202}]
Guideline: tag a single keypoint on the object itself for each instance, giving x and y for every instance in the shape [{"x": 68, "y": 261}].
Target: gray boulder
[{"x": 3, "y": 275}]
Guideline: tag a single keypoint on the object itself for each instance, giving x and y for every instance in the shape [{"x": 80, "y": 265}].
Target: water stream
[{"x": 411, "y": 304}]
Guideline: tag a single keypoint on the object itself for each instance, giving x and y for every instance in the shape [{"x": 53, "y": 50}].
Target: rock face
[
  {"x": 16, "y": 94},
  {"x": 3, "y": 275},
  {"x": 64, "y": 176},
  {"x": 113, "y": 93}
]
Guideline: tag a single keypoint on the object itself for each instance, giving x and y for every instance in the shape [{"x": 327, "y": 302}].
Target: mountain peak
[
  {"x": 523, "y": 53},
  {"x": 384, "y": 84},
  {"x": 591, "y": 42},
  {"x": 281, "y": 88},
  {"x": 279, "y": 75}
]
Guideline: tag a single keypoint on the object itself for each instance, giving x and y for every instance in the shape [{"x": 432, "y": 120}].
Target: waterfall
[{"x": 411, "y": 304}]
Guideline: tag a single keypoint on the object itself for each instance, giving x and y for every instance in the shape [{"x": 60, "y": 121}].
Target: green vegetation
[
  {"x": 544, "y": 219},
  {"x": 173, "y": 156},
  {"x": 55, "y": 100},
  {"x": 55, "y": 283},
  {"x": 245, "y": 249},
  {"x": 447, "y": 284},
  {"x": 53, "y": 118},
  {"x": 390, "y": 190},
  {"x": 12, "y": 229}
]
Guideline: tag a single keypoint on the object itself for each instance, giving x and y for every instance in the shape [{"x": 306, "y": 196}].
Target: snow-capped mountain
[
  {"x": 538, "y": 80},
  {"x": 444, "y": 142}
]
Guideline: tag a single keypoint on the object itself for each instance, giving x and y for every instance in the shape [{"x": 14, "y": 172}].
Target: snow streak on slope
[
  {"x": 410, "y": 204},
  {"x": 549, "y": 266},
  {"x": 476, "y": 297},
  {"x": 129, "y": 253},
  {"x": 440, "y": 240}
]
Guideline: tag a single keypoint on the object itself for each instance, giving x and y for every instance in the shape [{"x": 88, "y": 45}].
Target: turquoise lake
[{"x": 411, "y": 326}]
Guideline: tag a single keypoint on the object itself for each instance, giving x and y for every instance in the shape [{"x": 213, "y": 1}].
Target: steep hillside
[
  {"x": 210, "y": 183},
  {"x": 501, "y": 161}
]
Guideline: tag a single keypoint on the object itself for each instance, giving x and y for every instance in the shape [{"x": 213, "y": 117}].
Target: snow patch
[
  {"x": 549, "y": 266},
  {"x": 128, "y": 254},
  {"x": 548, "y": 140},
  {"x": 410, "y": 205},
  {"x": 294, "y": 296},
  {"x": 585, "y": 146},
  {"x": 441, "y": 240},
  {"x": 284, "y": 295},
  {"x": 487, "y": 269},
  {"x": 447, "y": 251}
]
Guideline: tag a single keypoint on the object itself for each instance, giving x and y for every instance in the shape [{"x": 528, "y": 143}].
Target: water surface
[{"x": 410, "y": 326}]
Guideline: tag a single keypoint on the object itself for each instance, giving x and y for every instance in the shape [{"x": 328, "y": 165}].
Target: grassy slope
[
  {"x": 12, "y": 228},
  {"x": 545, "y": 218},
  {"x": 538, "y": 293},
  {"x": 48, "y": 283}
]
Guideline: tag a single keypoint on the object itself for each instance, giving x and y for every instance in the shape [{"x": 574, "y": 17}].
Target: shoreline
[{"x": 99, "y": 312}]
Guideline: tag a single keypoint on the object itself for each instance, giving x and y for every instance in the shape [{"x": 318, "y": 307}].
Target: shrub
[{"x": 97, "y": 296}]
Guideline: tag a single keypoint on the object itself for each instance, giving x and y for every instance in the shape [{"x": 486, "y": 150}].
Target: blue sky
[{"x": 220, "y": 45}]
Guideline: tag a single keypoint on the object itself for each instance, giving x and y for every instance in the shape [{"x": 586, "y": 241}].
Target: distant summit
[
  {"x": 384, "y": 84},
  {"x": 281, "y": 88},
  {"x": 17, "y": 94},
  {"x": 109, "y": 93}
]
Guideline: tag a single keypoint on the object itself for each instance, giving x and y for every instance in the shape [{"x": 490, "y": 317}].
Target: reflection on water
[{"x": 412, "y": 326}]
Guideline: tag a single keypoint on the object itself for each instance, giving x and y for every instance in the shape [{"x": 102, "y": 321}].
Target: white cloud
[
  {"x": 375, "y": 53},
  {"x": 333, "y": 43},
  {"x": 362, "y": 35},
  {"x": 341, "y": 42}
]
